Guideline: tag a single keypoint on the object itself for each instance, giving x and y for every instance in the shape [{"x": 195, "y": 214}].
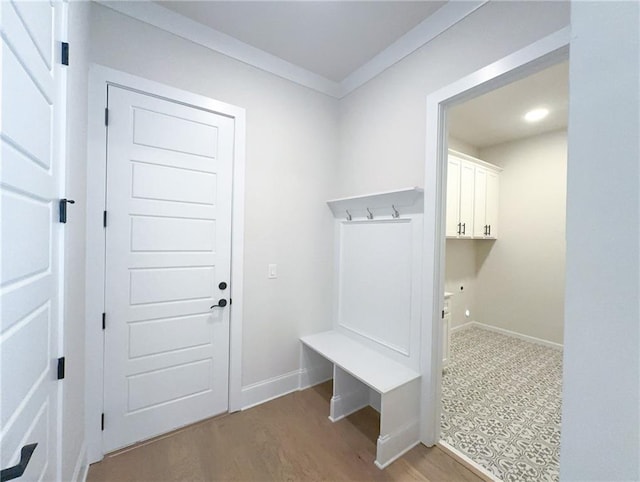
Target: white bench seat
[
  {"x": 358, "y": 369},
  {"x": 367, "y": 365}
]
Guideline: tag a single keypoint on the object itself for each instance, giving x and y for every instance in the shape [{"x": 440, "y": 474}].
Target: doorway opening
[{"x": 504, "y": 277}]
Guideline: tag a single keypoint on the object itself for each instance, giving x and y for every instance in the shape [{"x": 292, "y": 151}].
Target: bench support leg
[
  {"x": 349, "y": 395},
  {"x": 399, "y": 423}
]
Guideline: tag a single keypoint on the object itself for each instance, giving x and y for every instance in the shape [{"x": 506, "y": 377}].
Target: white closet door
[
  {"x": 168, "y": 234},
  {"x": 32, "y": 103}
]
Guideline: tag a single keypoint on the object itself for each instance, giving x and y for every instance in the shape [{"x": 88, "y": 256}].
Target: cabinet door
[
  {"x": 466, "y": 199},
  {"x": 453, "y": 197},
  {"x": 493, "y": 188},
  {"x": 480, "y": 203}
]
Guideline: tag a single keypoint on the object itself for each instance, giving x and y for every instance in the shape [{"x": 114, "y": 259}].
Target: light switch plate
[{"x": 272, "y": 272}]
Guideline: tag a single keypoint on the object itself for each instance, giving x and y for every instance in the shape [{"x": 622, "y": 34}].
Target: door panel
[
  {"x": 168, "y": 244},
  {"x": 480, "y": 203},
  {"x": 29, "y": 235},
  {"x": 466, "y": 199},
  {"x": 453, "y": 197}
]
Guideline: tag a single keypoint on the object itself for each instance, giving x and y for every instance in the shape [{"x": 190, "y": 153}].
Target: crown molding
[
  {"x": 172, "y": 22},
  {"x": 432, "y": 26}
]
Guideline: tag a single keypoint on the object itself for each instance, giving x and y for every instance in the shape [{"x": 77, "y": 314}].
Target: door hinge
[
  {"x": 61, "y": 363},
  {"x": 102, "y": 421},
  {"x": 104, "y": 320},
  {"x": 64, "y": 53},
  {"x": 106, "y": 116},
  {"x": 104, "y": 219},
  {"x": 443, "y": 314}
]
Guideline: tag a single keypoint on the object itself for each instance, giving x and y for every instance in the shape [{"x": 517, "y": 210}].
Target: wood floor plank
[{"x": 288, "y": 439}]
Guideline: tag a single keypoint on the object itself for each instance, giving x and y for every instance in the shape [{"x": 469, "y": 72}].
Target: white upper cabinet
[
  {"x": 485, "y": 209},
  {"x": 460, "y": 198},
  {"x": 472, "y": 198}
]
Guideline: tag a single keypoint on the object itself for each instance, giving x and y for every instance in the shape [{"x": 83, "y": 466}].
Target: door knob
[
  {"x": 222, "y": 285},
  {"x": 221, "y": 303}
]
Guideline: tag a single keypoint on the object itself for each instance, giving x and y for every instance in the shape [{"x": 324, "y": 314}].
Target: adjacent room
[{"x": 505, "y": 275}]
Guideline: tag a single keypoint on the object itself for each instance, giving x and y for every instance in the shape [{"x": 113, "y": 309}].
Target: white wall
[
  {"x": 460, "y": 279},
  {"x": 290, "y": 172},
  {"x": 520, "y": 277},
  {"x": 382, "y": 124},
  {"x": 601, "y": 395},
  {"x": 73, "y": 455}
]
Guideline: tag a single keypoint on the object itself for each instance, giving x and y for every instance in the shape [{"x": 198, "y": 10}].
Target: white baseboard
[
  {"x": 81, "y": 468},
  {"x": 266, "y": 390},
  {"x": 513, "y": 334},
  {"x": 344, "y": 405},
  {"x": 393, "y": 446},
  {"x": 464, "y": 326}
]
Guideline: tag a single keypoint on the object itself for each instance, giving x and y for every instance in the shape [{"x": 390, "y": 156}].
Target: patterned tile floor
[{"x": 501, "y": 401}]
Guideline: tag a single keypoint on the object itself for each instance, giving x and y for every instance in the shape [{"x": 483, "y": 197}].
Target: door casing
[
  {"x": 99, "y": 78},
  {"x": 533, "y": 58}
]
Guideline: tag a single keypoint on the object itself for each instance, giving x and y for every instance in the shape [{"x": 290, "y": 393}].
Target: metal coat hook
[
  {"x": 395, "y": 214},
  {"x": 370, "y": 215},
  {"x": 349, "y": 217}
]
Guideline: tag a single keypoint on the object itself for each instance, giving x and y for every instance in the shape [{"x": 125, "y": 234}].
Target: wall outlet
[
  {"x": 272, "y": 271},
  {"x": 467, "y": 313}
]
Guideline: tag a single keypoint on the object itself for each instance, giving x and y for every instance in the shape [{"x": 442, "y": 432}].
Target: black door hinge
[
  {"x": 104, "y": 219},
  {"x": 104, "y": 320},
  {"x": 106, "y": 116},
  {"x": 443, "y": 314},
  {"x": 61, "y": 363},
  {"x": 102, "y": 421},
  {"x": 64, "y": 53}
]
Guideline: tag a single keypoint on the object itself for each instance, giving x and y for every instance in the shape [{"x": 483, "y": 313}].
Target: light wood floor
[{"x": 288, "y": 439}]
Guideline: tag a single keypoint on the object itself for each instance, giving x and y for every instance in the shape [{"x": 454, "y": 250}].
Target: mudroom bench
[{"x": 363, "y": 376}]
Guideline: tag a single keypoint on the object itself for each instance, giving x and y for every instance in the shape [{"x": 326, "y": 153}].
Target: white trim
[
  {"x": 81, "y": 468},
  {"x": 540, "y": 54},
  {"x": 387, "y": 446},
  {"x": 514, "y": 334},
  {"x": 437, "y": 23},
  {"x": 464, "y": 326},
  {"x": 99, "y": 77},
  {"x": 200, "y": 34},
  {"x": 470, "y": 463},
  {"x": 272, "y": 388},
  {"x": 432, "y": 26}
]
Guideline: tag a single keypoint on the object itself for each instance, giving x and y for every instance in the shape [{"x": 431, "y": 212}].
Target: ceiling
[
  {"x": 329, "y": 38},
  {"x": 496, "y": 117}
]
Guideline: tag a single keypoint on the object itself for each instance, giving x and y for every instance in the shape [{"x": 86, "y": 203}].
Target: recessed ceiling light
[{"x": 536, "y": 114}]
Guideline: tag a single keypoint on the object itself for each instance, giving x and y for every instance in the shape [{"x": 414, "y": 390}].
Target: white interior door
[
  {"x": 32, "y": 99},
  {"x": 168, "y": 248}
]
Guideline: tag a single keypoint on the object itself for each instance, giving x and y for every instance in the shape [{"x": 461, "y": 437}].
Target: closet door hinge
[
  {"x": 102, "y": 421},
  {"x": 104, "y": 320},
  {"x": 64, "y": 53},
  {"x": 106, "y": 116},
  {"x": 61, "y": 367},
  {"x": 443, "y": 314},
  {"x": 104, "y": 219}
]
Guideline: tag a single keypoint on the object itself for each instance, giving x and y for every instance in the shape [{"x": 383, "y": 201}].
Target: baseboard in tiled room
[{"x": 501, "y": 404}]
